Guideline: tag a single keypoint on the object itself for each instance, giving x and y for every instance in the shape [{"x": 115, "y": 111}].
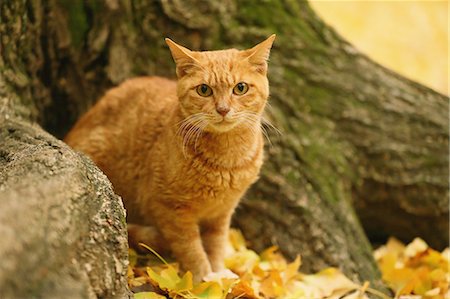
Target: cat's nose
[{"x": 223, "y": 110}]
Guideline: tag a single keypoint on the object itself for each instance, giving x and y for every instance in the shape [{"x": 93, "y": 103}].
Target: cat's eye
[
  {"x": 240, "y": 88},
  {"x": 204, "y": 90}
]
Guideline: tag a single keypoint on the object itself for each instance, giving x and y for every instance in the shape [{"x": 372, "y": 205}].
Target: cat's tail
[{"x": 147, "y": 235}]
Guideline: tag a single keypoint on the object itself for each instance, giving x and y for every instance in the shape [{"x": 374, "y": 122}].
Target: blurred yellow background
[{"x": 410, "y": 37}]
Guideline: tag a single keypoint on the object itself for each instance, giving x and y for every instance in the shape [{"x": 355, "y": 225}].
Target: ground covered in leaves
[{"x": 414, "y": 271}]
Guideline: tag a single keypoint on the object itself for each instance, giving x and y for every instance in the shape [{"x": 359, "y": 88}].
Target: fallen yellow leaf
[{"x": 208, "y": 290}]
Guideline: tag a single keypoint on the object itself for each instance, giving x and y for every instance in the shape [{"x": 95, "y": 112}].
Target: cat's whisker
[
  {"x": 267, "y": 123},
  {"x": 183, "y": 121},
  {"x": 191, "y": 130},
  {"x": 181, "y": 130},
  {"x": 255, "y": 118},
  {"x": 189, "y": 119},
  {"x": 251, "y": 126},
  {"x": 193, "y": 116},
  {"x": 186, "y": 125},
  {"x": 269, "y": 106},
  {"x": 251, "y": 118},
  {"x": 187, "y": 136},
  {"x": 266, "y": 134},
  {"x": 199, "y": 134}
]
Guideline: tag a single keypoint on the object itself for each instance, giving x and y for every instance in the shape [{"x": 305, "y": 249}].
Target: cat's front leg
[
  {"x": 185, "y": 243},
  {"x": 215, "y": 240}
]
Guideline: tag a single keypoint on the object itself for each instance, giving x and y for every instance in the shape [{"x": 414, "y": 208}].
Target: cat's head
[{"x": 220, "y": 90}]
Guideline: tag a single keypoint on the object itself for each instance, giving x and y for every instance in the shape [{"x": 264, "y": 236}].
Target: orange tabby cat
[{"x": 182, "y": 154}]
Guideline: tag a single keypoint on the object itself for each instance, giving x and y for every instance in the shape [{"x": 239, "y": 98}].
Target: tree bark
[
  {"x": 353, "y": 132},
  {"x": 63, "y": 228}
]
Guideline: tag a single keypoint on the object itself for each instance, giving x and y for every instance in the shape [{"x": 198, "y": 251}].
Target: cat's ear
[
  {"x": 183, "y": 57},
  {"x": 259, "y": 54}
]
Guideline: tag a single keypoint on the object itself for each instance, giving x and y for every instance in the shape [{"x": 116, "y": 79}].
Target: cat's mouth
[
  {"x": 223, "y": 124},
  {"x": 225, "y": 121}
]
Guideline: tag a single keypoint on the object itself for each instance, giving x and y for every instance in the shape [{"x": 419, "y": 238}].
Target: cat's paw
[
  {"x": 200, "y": 272},
  {"x": 219, "y": 275}
]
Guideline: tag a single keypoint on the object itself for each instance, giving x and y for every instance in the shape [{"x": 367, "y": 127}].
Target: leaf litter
[{"x": 414, "y": 271}]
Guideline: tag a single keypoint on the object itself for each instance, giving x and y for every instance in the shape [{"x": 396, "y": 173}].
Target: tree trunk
[
  {"x": 353, "y": 133},
  {"x": 62, "y": 227}
]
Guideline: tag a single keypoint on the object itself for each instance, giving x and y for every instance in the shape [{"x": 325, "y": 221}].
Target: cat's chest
[
  {"x": 205, "y": 176},
  {"x": 224, "y": 180},
  {"x": 206, "y": 182}
]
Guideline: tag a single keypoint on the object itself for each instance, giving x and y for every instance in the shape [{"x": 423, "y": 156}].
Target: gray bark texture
[
  {"x": 357, "y": 139},
  {"x": 63, "y": 229}
]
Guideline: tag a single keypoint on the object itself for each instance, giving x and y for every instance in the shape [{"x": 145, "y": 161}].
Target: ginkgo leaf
[
  {"x": 208, "y": 290},
  {"x": 241, "y": 262},
  {"x": 185, "y": 283},
  {"x": 269, "y": 254},
  {"x": 329, "y": 281},
  {"x": 415, "y": 247},
  {"x": 291, "y": 269},
  {"x": 138, "y": 281},
  {"x": 171, "y": 274},
  {"x": 272, "y": 286},
  {"x": 412, "y": 271},
  {"x": 167, "y": 280},
  {"x": 243, "y": 290}
]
